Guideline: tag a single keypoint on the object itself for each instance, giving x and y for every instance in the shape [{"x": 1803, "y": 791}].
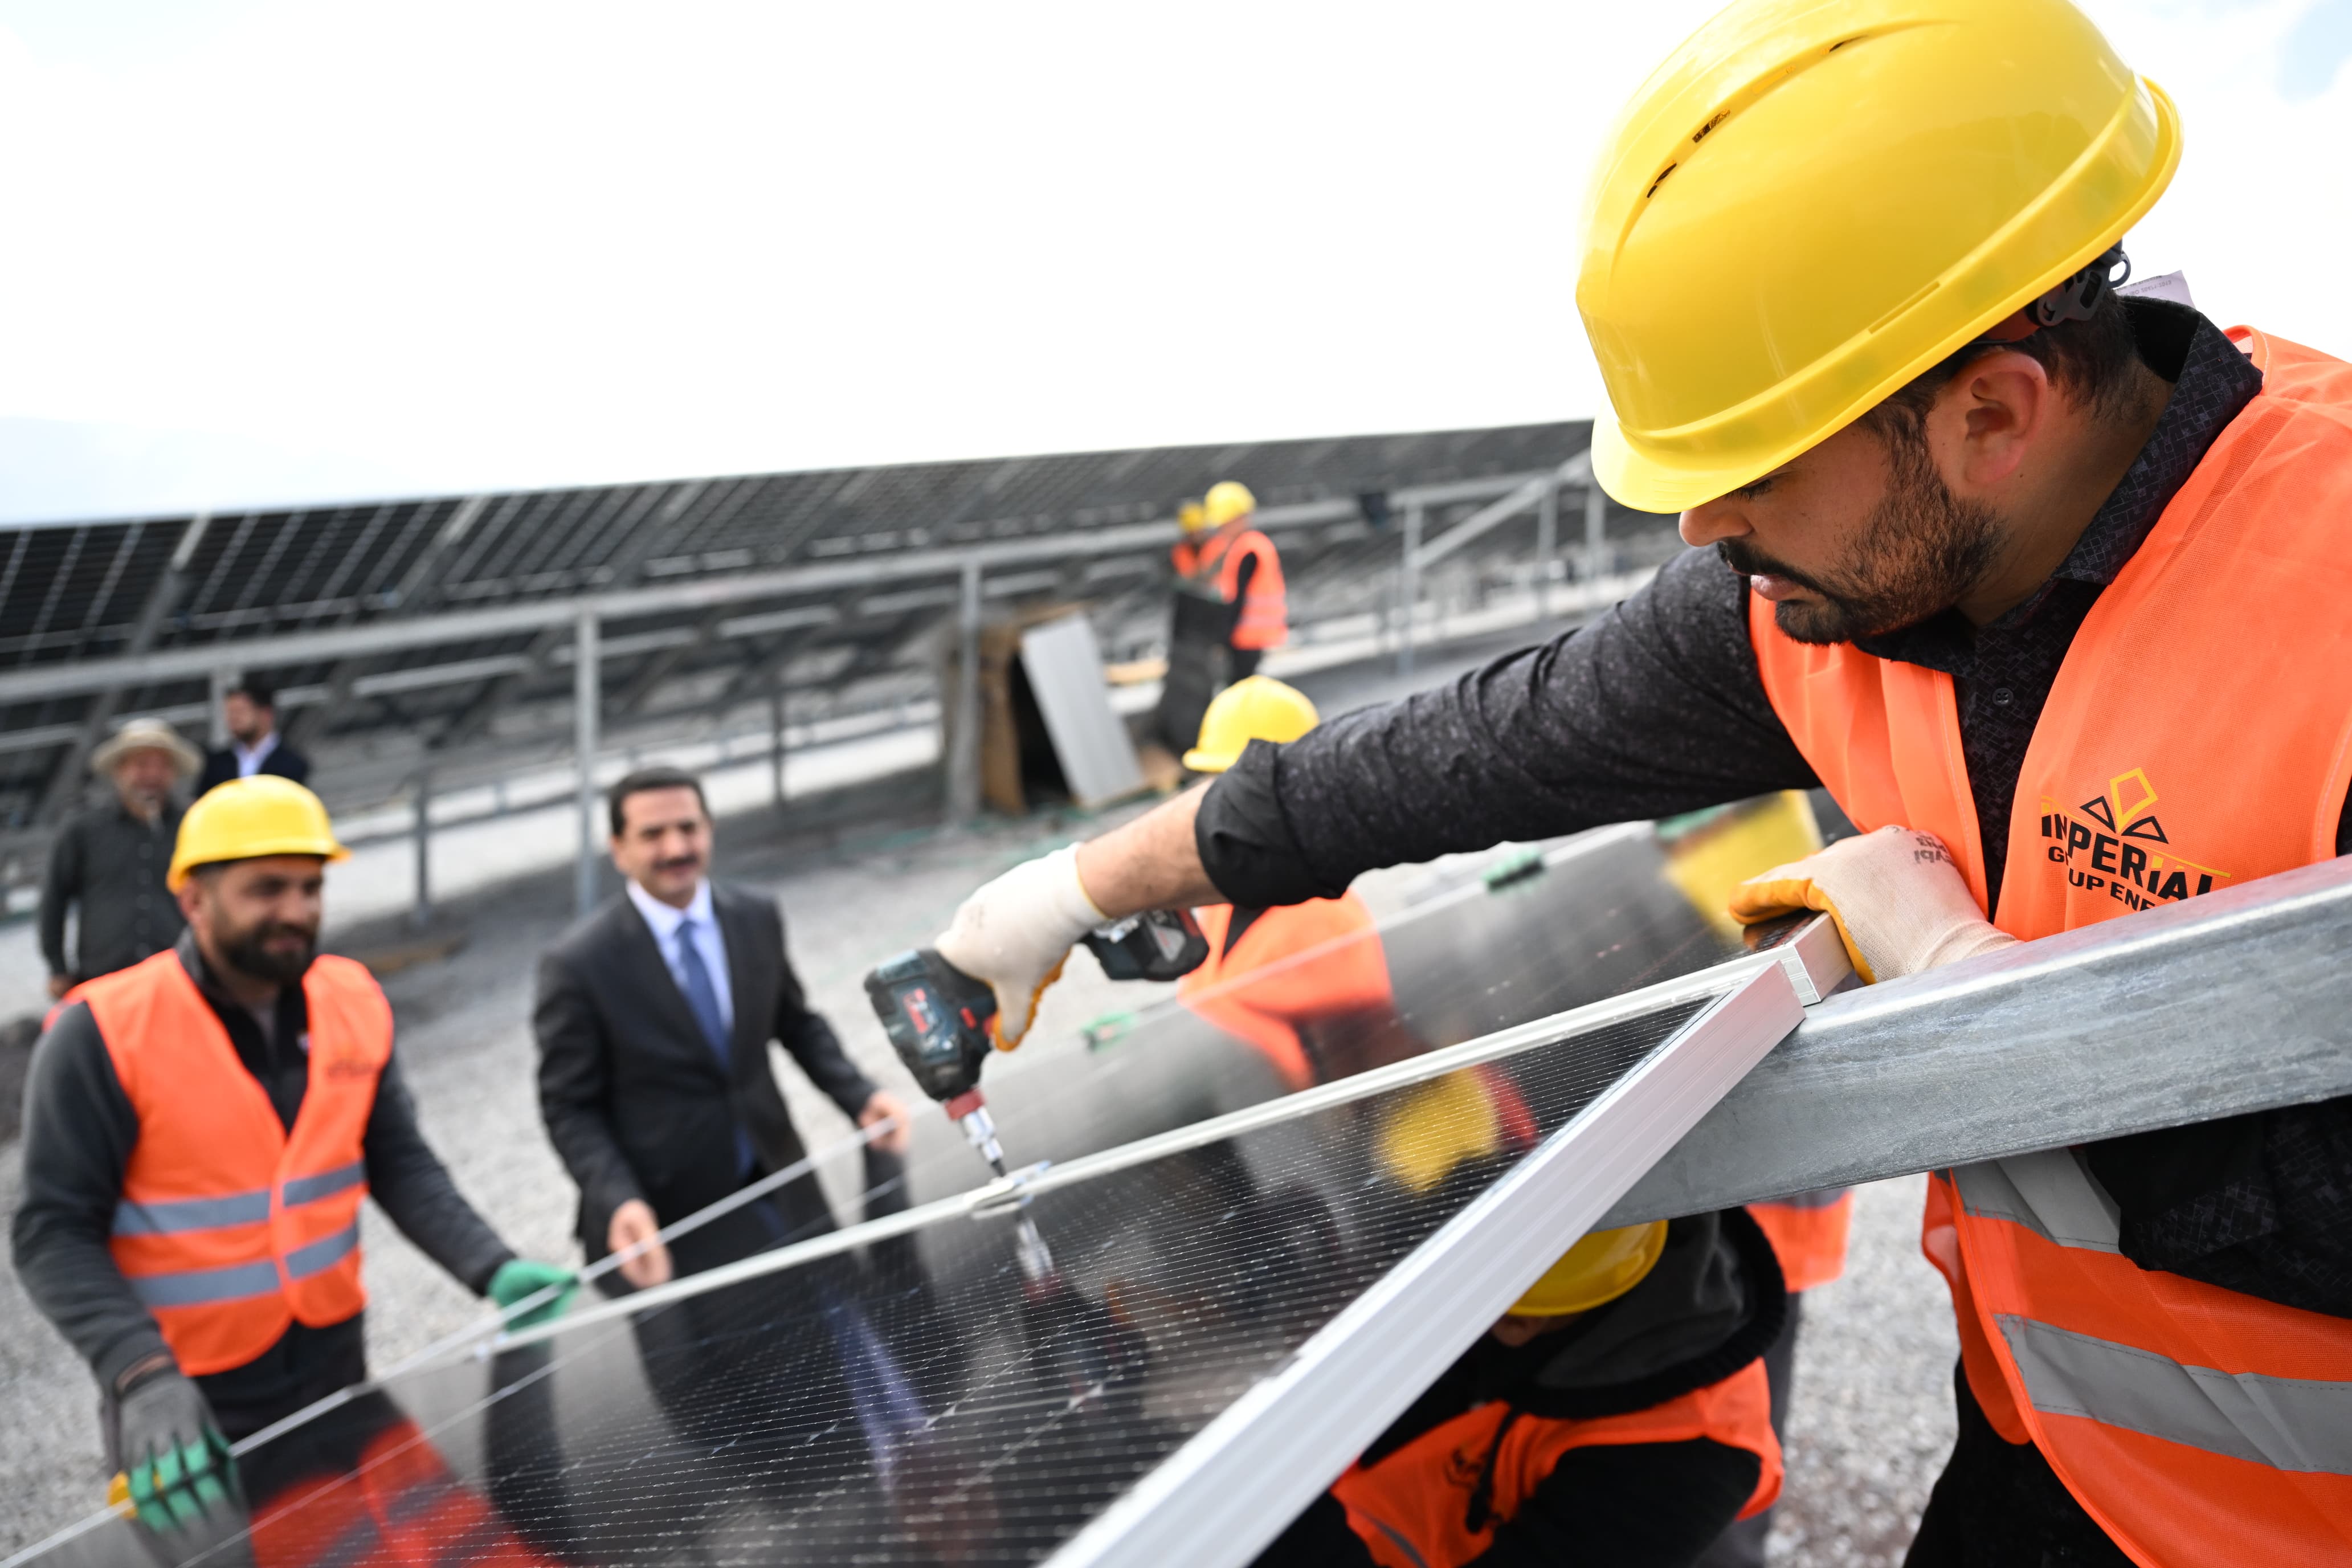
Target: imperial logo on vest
[{"x": 2114, "y": 843}]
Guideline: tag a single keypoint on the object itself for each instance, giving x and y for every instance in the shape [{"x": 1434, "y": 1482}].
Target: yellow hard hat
[
  {"x": 1192, "y": 517},
  {"x": 1596, "y": 1270},
  {"x": 249, "y": 818},
  {"x": 1255, "y": 709},
  {"x": 1228, "y": 500},
  {"x": 1435, "y": 1127},
  {"x": 1808, "y": 204}
]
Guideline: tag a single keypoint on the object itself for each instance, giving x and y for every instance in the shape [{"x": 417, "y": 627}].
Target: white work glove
[
  {"x": 1014, "y": 933},
  {"x": 1900, "y": 903}
]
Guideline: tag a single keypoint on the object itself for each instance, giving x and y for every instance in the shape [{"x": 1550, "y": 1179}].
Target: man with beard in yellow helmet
[{"x": 2045, "y": 585}]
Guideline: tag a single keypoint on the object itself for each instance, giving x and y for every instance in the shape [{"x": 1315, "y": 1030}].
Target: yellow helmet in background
[
  {"x": 1228, "y": 500},
  {"x": 247, "y": 819},
  {"x": 1808, "y": 204},
  {"x": 1595, "y": 1271},
  {"x": 1192, "y": 518},
  {"x": 1255, "y": 709}
]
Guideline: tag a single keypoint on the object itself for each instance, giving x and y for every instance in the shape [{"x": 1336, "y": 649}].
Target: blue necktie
[{"x": 702, "y": 998}]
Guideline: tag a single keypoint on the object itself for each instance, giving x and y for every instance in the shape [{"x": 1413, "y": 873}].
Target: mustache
[
  {"x": 679, "y": 863},
  {"x": 1749, "y": 561}
]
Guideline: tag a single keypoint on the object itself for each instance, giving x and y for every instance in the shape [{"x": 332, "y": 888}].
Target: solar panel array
[
  {"x": 978, "y": 1383},
  {"x": 231, "y": 582}
]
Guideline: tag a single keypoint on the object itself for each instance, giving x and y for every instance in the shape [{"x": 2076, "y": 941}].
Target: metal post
[
  {"x": 420, "y": 914},
  {"x": 1547, "y": 545},
  {"x": 1409, "y": 587},
  {"x": 963, "y": 755},
  {"x": 587, "y": 699},
  {"x": 1596, "y": 516},
  {"x": 776, "y": 743},
  {"x": 222, "y": 680}
]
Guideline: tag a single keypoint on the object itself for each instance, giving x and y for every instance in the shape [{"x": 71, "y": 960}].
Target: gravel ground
[{"x": 1869, "y": 1427}]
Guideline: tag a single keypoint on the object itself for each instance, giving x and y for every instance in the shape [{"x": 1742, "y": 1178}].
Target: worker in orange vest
[
  {"x": 200, "y": 1130},
  {"x": 2041, "y": 574},
  {"x": 1617, "y": 1413},
  {"x": 1229, "y": 606},
  {"x": 1305, "y": 984}
]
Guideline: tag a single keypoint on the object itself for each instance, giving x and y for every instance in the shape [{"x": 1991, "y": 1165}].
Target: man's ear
[
  {"x": 192, "y": 898},
  {"x": 1992, "y": 418}
]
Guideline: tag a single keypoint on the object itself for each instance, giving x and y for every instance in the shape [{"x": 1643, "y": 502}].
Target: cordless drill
[{"x": 937, "y": 1018}]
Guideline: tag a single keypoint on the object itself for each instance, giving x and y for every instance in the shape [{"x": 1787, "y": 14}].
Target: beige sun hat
[{"x": 146, "y": 735}]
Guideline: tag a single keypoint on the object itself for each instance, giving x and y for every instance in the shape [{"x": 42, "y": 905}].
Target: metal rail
[{"x": 2239, "y": 1001}]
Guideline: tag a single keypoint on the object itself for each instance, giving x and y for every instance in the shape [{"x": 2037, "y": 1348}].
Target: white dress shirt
[
  {"x": 250, "y": 759},
  {"x": 664, "y": 922}
]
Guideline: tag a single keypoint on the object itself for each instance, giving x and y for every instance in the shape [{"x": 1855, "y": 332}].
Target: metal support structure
[
  {"x": 587, "y": 703},
  {"x": 448, "y": 627},
  {"x": 1408, "y": 588},
  {"x": 420, "y": 911},
  {"x": 2231, "y": 1003},
  {"x": 963, "y": 729},
  {"x": 1596, "y": 535},
  {"x": 776, "y": 743},
  {"x": 1547, "y": 545},
  {"x": 217, "y": 700}
]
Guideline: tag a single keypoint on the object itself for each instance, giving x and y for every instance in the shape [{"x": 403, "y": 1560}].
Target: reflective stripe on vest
[
  {"x": 230, "y": 1226},
  {"x": 163, "y": 1216},
  {"x": 1414, "y": 1508},
  {"x": 2199, "y": 735}
]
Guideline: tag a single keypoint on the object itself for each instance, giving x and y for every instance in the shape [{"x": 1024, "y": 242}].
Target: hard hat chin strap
[{"x": 2073, "y": 299}]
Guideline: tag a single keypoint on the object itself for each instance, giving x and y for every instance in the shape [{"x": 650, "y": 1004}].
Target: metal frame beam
[{"x": 2231, "y": 1003}]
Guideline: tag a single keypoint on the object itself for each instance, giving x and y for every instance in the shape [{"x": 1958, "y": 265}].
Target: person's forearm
[{"x": 1151, "y": 863}]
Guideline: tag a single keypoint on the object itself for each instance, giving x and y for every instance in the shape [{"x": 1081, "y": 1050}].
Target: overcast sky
[{"x": 281, "y": 252}]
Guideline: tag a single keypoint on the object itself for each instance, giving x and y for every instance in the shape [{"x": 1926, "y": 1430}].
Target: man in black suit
[
  {"x": 653, "y": 1018},
  {"x": 250, "y": 710}
]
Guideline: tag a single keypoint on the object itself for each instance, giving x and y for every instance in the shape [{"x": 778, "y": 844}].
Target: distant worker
[
  {"x": 199, "y": 1131},
  {"x": 1616, "y": 1415},
  {"x": 249, "y": 710},
  {"x": 1229, "y": 607},
  {"x": 653, "y": 1018},
  {"x": 108, "y": 863},
  {"x": 1307, "y": 984},
  {"x": 2042, "y": 579}
]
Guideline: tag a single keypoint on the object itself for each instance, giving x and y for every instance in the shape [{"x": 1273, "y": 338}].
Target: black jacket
[
  {"x": 632, "y": 1095},
  {"x": 1714, "y": 1302},
  {"x": 283, "y": 762},
  {"x": 80, "y": 1129},
  {"x": 111, "y": 865}
]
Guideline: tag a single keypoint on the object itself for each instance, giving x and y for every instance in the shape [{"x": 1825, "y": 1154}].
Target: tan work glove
[
  {"x": 1014, "y": 933},
  {"x": 1900, "y": 903}
]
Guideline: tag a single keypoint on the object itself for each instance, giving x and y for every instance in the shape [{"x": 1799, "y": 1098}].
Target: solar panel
[{"x": 1155, "y": 1348}]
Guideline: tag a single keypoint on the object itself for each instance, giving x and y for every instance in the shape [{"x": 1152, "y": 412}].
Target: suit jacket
[
  {"x": 220, "y": 766},
  {"x": 634, "y": 1096}
]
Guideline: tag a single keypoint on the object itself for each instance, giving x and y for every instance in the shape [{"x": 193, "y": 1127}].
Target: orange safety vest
[
  {"x": 1265, "y": 616},
  {"x": 400, "y": 1507},
  {"x": 1808, "y": 1235},
  {"x": 1418, "y": 1507},
  {"x": 1293, "y": 965},
  {"x": 2199, "y": 736},
  {"x": 230, "y": 1228}
]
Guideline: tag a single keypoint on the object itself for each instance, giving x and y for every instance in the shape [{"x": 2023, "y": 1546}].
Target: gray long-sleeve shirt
[
  {"x": 1657, "y": 708},
  {"x": 80, "y": 1129},
  {"x": 111, "y": 864}
]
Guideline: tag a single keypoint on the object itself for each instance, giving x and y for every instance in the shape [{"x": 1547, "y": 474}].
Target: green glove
[
  {"x": 177, "y": 1477},
  {"x": 518, "y": 1278}
]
